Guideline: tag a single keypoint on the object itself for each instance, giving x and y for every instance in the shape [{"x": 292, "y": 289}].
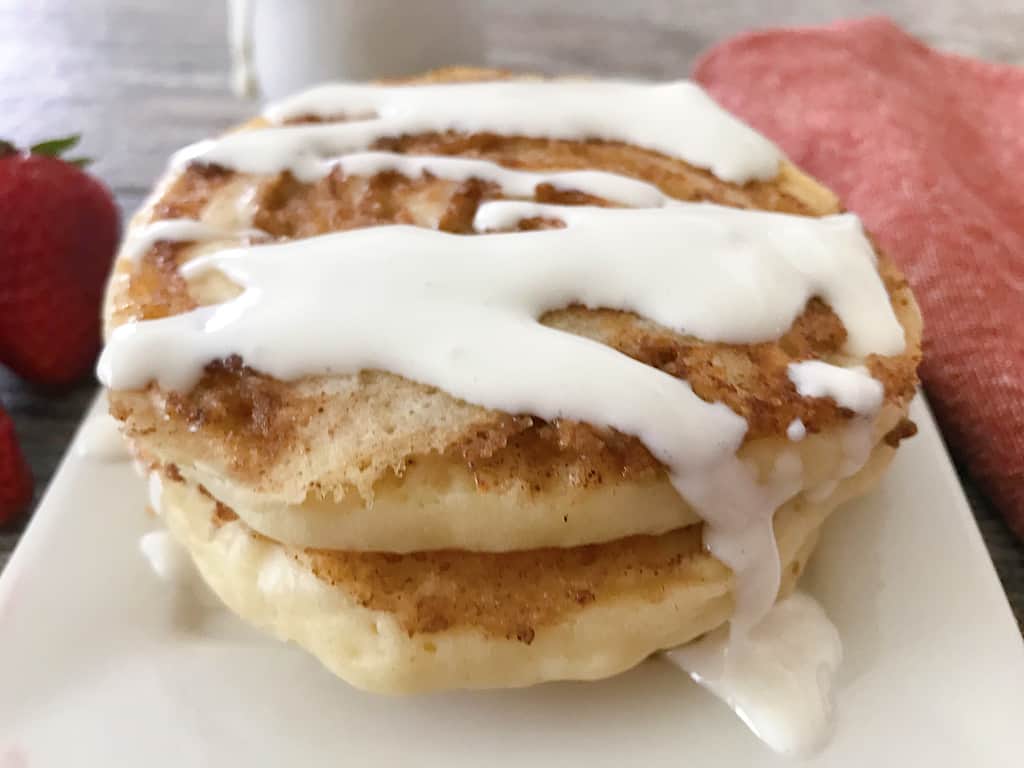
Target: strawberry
[
  {"x": 15, "y": 478},
  {"x": 58, "y": 232}
]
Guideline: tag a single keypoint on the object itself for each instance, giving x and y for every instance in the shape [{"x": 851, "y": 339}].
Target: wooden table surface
[{"x": 140, "y": 78}]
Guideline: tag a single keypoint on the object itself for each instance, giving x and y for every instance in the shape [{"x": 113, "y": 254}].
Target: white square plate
[{"x": 99, "y": 666}]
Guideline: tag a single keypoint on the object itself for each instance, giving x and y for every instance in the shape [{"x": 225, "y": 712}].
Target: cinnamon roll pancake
[{"x": 482, "y": 381}]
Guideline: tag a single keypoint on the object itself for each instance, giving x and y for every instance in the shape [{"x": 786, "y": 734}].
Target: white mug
[{"x": 281, "y": 46}]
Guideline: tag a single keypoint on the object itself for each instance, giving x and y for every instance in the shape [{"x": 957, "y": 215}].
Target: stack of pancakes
[{"x": 414, "y": 541}]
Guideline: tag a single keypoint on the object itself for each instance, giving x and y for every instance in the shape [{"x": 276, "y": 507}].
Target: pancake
[
  {"x": 374, "y": 461},
  {"x": 416, "y": 540},
  {"x": 449, "y": 619},
  {"x": 433, "y": 504}
]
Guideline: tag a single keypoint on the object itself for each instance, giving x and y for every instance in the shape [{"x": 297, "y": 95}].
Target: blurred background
[{"x": 140, "y": 78}]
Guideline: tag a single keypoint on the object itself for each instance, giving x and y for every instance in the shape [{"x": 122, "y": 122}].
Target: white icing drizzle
[
  {"x": 279, "y": 573},
  {"x": 677, "y": 119},
  {"x": 460, "y": 313},
  {"x": 768, "y": 263},
  {"x": 796, "y": 431},
  {"x": 856, "y": 441},
  {"x": 100, "y": 439},
  {"x": 171, "y": 562},
  {"x": 168, "y": 559},
  {"x": 714, "y": 259},
  {"x": 173, "y": 566},
  {"x": 778, "y": 677},
  {"x": 155, "y": 490},
  {"x": 612, "y": 187},
  {"x": 177, "y": 231},
  {"x": 852, "y": 388}
]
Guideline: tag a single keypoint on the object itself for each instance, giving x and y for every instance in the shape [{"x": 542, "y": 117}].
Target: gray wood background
[{"x": 140, "y": 78}]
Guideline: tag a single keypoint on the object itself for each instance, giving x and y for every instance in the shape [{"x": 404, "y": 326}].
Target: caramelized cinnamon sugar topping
[
  {"x": 534, "y": 451},
  {"x": 245, "y": 410},
  {"x": 509, "y": 594},
  {"x": 672, "y": 176},
  {"x": 235, "y": 405},
  {"x": 906, "y": 428},
  {"x": 156, "y": 289}
]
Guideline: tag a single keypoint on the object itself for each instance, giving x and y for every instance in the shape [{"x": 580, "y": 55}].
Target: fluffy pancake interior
[
  {"x": 404, "y": 623},
  {"x": 435, "y": 504}
]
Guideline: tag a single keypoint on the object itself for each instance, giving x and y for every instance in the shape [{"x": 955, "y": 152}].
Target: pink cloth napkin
[{"x": 928, "y": 148}]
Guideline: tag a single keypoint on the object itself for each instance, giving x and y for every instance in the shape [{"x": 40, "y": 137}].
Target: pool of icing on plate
[
  {"x": 462, "y": 313},
  {"x": 100, "y": 439},
  {"x": 778, "y": 677}
]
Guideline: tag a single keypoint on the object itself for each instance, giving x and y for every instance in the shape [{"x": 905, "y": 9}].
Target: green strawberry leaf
[
  {"x": 79, "y": 162},
  {"x": 6, "y": 148},
  {"x": 55, "y": 147}
]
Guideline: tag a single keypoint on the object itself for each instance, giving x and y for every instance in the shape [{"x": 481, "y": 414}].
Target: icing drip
[
  {"x": 279, "y": 573},
  {"x": 507, "y": 280},
  {"x": 177, "y": 231},
  {"x": 778, "y": 677},
  {"x": 99, "y": 437},
  {"x": 852, "y": 388},
  {"x": 609, "y": 186},
  {"x": 155, "y": 490},
  {"x": 677, "y": 119},
  {"x": 612, "y": 187},
  {"x": 796, "y": 431},
  {"x": 171, "y": 562},
  {"x": 857, "y": 441}
]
